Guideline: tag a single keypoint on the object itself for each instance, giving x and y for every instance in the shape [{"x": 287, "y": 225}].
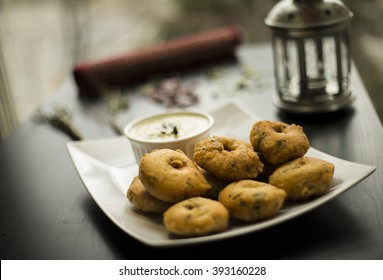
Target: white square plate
[{"x": 107, "y": 167}]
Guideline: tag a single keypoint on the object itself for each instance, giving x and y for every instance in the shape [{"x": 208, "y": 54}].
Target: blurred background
[{"x": 41, "y": 40}]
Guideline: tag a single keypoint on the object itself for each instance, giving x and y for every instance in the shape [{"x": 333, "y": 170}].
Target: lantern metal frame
[{"x": 315, "y": 32}]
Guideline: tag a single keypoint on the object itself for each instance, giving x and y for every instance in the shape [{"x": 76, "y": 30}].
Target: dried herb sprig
[
  {"x": 117, "y": 103},
  {"x": 247, "y": 78},
  {"x": 215, "y": 73},
  {"x": 61, "y": 119}
]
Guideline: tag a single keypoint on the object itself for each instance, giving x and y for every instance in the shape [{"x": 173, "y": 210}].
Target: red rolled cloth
[{"x": 171, "y": 56}]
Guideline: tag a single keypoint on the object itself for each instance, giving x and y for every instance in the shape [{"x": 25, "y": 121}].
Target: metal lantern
[{"x": 311, "y": 55}]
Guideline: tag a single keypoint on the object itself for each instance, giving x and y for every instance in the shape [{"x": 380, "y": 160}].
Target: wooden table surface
[{"x": 46, "y": 212}]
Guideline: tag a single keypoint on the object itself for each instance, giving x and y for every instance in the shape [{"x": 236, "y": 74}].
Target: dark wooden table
[{"x": 46, "y": 213}]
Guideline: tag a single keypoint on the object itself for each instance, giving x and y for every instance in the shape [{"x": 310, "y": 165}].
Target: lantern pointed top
[{"x": 307, "y": 14}]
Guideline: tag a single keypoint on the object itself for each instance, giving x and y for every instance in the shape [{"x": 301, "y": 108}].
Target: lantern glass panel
[{"x": 313, "y": 68}]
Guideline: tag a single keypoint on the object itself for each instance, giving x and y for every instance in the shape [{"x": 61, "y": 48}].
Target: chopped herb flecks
[{"x": 169, "y": 129}]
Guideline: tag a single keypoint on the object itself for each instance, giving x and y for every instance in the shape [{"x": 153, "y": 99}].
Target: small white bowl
[{"x": 172, "y": 130}]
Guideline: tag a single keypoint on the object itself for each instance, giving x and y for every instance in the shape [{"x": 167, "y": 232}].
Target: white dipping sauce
[{"x": 171, "y": 126}]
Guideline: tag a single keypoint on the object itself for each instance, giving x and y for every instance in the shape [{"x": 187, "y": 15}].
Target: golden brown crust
[
  {"x": 250, "y": 200},
  {"x": 227, "y": 158},
  {"x": 196, "y": 216},
  {"x": 303, "y": 178},
  {"x": 143, "y": 200},
  {"x": 171, "y": 176},
  {"x": 279, "y": 142}
]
